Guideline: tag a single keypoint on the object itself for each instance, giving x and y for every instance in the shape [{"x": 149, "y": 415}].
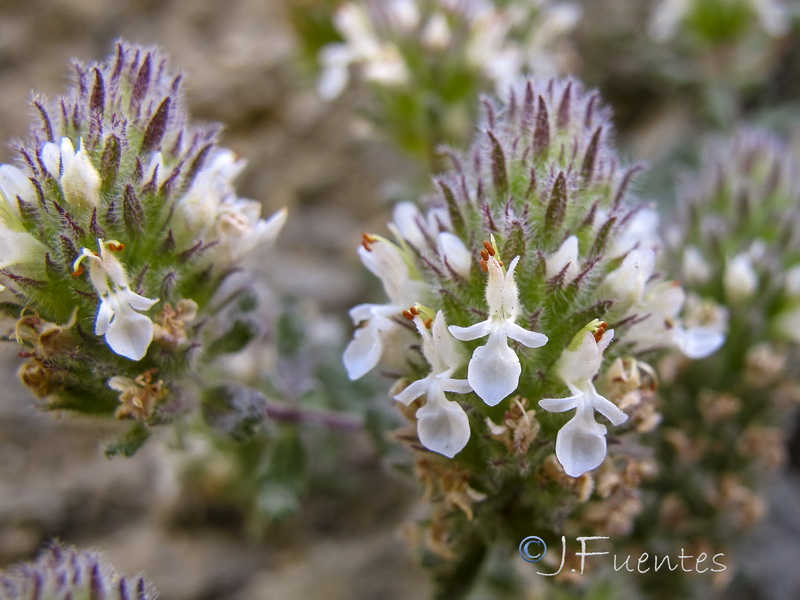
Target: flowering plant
[
  {"x": 532, "y": 243},
  {"x": 118, "y": 226}
]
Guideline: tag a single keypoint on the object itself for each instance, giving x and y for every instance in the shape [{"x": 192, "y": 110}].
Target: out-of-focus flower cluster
[
  {"x": 736, "y": 244},
  {"x": 532, "y": 258},
  {"x": 118, "y": 224},
  {"x": 63, "y": 571},
  {"x": 429, "y": 61}
]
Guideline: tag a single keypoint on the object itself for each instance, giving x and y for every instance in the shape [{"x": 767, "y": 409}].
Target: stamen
[
  {"x": 367, "y": 240},
  {"x": 78, "y": 271},
  {"x": 489, "y": 248},
  {"x": 116, "y": 247},
  {"x": 407, "y": 314},
  {"x": 485, "y": 255},
  {"x": 601, "y": 329}
]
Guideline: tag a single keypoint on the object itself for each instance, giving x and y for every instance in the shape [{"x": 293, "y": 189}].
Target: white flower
[
  {"x": 386, "y": 262},
  {"x": 566, "y": 257},
  {"x": 656, "y": 305},
  {"x": 666, "y": 18},
  {"x": 695, "y": 268},
  {"x": 661, "y": 327},
  {"x": 436, "y": 34},
  {"x": 17, "y": 246},
  {"x": 423, "y": 232},
  {"x": 581, "y": 442},
  {"x": 335, "y": 60},
  {"x": 387, "y": 67},
  {"x": 381, "y": 61},
  {"x": 80, "y": 181},
  {"x": 626, "y": 283},
  {"x": 453, "y": 253},
  {"x": 494, "y": 369},
  {"x": 199, "y": 207},
  {"x": 787, "y": 322},
  {"x": 740, "y": 278},
  {"x": 13, "y": 185},
  {"x": 642, "y": 230},
  {"x": 403, "y": 14},
  {"x": 127, "y": 332},
  {"x": 442, "y": 424},
  {"x": 240, "y": 230},
  {"x": 774, "y": 16}
]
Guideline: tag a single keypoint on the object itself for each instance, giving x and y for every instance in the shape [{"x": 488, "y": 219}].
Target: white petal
[
  {"x": 120, "y": 383},
  {"x": 413, "y": 391},
  {"x": 494, "y": 369},
  {"x": 130, "y": 334},
  {"x": 362, "y": 312},
  {"x": 626, "y": 283},
  {"x": 581, "y": 444},
  {"x": 13, "y": 184},
  {"x": 607, "y": 408},
  {"x": 67, "y": 153},
  {"x": 457, "y": 386},
  {"x": 698, "y": 342},
  {"x": 531, "y": 339},
  {"x": 18, "y": 247},
  {"x": 436, "y": 34},
  {"x": 443, "y": 426},
  {"x": 582, "y": 363},
  {"x": 694, "y": 267},
  {"x": 51, "y": 158},
  {"x": 408, "y": 220},
  {"x": 740, "y": 278},
  {"x": 495, "y": 285},
  {"x": 792, "y": 282},
  {"x": 135, "y": 300},
  {"x": 510, "y": 292},
  {"x": 80, "y": 181},
  {"x": 363, "y": 352},
  {"x": 386, "y": 261},
  {"x": 473, "y": 332},
  {"x": 104, "y": 315},
  {"x": 266, "y": 232},
  {"x": 444, "y": 353},
  {"x": 565, "y": 256},
  {"x": 562, "y": 404},
  {"x": 455, "y": 253}
]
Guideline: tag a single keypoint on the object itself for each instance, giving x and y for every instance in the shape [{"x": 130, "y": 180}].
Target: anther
[
  {"x": 485, "y": 266},
  {"x": 484, "y": 254},
  {"x": 116, "y": 247},
  {"x": 414, "y": 310},
  {"x": 367, "y": 241},
  {"x": 79, "y": 271},
  {"x": 489, "y": 248},
  {"x": 428, "y": 323},
  {"x": 407, "y": 314},
  {"x": 601, "y": 329}
]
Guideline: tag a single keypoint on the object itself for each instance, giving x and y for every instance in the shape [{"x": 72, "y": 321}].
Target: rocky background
[{"x": 240, "y": 60}]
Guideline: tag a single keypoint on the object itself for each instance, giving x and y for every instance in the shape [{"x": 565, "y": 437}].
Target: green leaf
[
  {"x": 234, "y": 410},
  {"x": 129, "y": 443}
]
